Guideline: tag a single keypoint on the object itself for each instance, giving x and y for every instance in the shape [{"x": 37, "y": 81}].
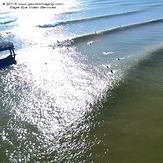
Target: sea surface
[{"x": 88, "y": 83}]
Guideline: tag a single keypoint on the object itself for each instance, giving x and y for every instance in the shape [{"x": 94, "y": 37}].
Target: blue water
[{"x": 87, "y": 86}]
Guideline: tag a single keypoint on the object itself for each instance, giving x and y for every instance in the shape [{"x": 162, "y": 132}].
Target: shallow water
[{"x": 87, "y": 86}]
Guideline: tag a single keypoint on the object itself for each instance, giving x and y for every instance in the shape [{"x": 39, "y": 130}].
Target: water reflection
[
  {"x": 48, "y": 94},
  {"x": 47, "y": 97}
]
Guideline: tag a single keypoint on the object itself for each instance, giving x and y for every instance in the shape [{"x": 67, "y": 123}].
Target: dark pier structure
[{"x": 9, "y": 59}]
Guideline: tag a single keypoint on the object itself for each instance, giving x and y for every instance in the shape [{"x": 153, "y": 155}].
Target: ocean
[{"x": 87, "y": 85}]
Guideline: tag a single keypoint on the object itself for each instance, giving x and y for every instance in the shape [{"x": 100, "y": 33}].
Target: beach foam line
[{"x": 89, "y": 19}]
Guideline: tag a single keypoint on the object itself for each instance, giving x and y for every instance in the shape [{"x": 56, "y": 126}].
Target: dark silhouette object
[{"x": 10, "y": 59}]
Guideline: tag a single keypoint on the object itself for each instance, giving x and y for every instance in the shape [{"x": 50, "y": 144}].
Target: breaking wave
[{"x": 70, "y": 41}]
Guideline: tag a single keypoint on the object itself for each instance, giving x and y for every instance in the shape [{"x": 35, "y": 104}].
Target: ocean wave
[
  {"x": 115, "y": 29},
  {"x": 7, "y": 22},
  {"x": 4, "y": 12},
  {"x": 141, "y": 71},
  {"x": 136, "y": 3},
  {"x": 154, "y": 5},
  {"x": 88, "y": 19},
  {"x": 152, "y": 53},
  {"x": 88, "y": 36}
]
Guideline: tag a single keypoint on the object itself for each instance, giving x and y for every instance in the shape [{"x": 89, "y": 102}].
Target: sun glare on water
[{"x": 53, "y": 91}]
